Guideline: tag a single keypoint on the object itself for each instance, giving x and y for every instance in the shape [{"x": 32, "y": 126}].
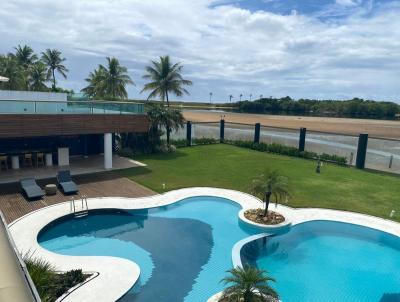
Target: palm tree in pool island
[
  {"x": 248, "y": 284},
  {"x": 270, "y": 183},
  {"x": 165, "y": 77},
  {"x": 54, "y": 62}
]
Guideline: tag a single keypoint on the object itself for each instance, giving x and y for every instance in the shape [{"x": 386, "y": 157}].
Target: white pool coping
[{"x": 117, "y": 275}]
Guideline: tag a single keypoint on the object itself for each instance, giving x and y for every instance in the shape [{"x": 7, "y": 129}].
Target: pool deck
[
  {"x": 117, "y": 275},
  {"x": 14, "y": 205}
]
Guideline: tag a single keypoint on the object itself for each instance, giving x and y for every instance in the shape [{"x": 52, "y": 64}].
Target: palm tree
[
  {"x": 270, "y": 183},
  {"x": 250, "y": 96},
  {"x": 114, "y": 78},
  {"x": 240, "y": 97},
  {"x": 108, "y": 81},
  {"x": 248, "y": 284},
  {"x": 165, "y": 78},
  {"x": 37, "y": 77},
  {"x": 25, "y": 56},
  {"x": 53, "y": 60},
  {"x": 210, "y": 96},
  {"x": 10, "y": 69},
  {"x": 165, "y": 117},
  {"x": 96, "y": 87},
  {"x": 230, "y": 98}
]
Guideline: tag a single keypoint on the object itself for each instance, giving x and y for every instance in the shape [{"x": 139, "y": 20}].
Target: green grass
[{"x": 232, "y": 167}]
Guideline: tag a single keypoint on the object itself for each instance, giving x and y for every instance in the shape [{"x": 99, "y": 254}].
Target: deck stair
[{"x": 84, "y": 209}]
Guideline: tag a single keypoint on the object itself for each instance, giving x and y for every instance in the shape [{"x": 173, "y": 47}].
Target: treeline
[
  {"x": 27, "y": 70},
  {"x": 357, "y": 108}
]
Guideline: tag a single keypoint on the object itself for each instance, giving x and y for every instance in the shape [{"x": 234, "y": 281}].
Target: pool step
[{"x": 80, "y": 214}]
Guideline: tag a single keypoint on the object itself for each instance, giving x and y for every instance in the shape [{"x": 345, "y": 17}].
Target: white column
[
  {"x": 63, "y": 156},
  {"x": 107, "y": 151}
]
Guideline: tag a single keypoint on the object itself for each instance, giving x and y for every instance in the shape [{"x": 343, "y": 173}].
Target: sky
[{"x": 323, "y": 49}]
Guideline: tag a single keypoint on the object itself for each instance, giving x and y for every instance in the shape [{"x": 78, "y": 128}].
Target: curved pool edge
[{"x": 118, "y": 275}]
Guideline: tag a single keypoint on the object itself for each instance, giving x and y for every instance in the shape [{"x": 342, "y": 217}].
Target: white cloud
[{"x": 225, "y": 49}]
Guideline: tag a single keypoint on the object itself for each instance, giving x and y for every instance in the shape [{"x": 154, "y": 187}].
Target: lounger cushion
[{"x": 31, "y": 189}]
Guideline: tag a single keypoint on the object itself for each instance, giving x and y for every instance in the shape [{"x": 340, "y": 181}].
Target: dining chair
[
  {"x": 40, "y": 159},
  {"x": 3, "y": 162},
  {"x": 28, "y": 160}
]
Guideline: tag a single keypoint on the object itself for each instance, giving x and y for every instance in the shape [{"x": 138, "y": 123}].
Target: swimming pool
[
  {"x": 330, "y": 261},
  {"x": 184, "y": 249}
]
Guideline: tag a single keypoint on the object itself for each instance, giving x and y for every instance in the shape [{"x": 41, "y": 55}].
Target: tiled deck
[
  {"x": 78, "y": 165},
  {"x": 105, "y": 184}
]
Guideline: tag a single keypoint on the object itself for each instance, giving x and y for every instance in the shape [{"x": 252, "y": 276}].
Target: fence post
[
  {"x": 302, "y": 139},
  {"x": 222, "y": 131},
  {"x": 361, "y": 150},
  {"x": 188, "y": 133},
  {"x": 257, "y": 128}
]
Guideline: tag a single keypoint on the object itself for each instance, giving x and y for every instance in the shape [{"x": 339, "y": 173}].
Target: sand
[{"x": 375, "y": 128}]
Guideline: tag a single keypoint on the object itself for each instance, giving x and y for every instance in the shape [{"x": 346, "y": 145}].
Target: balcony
[
  {"x": 20, "y": 119},
  {"x": 69, "y": 107}
]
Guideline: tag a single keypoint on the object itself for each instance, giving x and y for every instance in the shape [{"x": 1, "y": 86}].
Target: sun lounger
[
  {"x": 31, "y": 189},
  {"x": 66, "y": 183}
]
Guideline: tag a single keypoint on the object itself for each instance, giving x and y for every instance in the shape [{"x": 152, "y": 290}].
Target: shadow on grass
[
  {"x": 162, "y": 156},
  {"x": 135, "y": 171}
]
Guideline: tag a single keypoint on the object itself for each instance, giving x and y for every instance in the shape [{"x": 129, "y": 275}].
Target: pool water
[
  {"x": 330, "y": 261},
  {"x": 184, "y": 250}
]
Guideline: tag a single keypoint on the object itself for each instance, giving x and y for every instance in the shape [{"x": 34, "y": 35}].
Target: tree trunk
[
  {"x": 266, "y": 200},
  {"x": 166, "y": 94},
  {"x": 54, "y": 81},
  {"x": 168, "y": 134}
]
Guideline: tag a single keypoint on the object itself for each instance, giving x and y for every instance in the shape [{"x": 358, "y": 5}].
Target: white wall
[{"x": 10, "y": 95}]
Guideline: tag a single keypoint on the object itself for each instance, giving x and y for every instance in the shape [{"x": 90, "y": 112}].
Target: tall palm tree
[
  {"x": 230, "y": 98},
  {"x": 25, "y": 56},
  {"x": 38, "y": 77},
  {"x": 96, "y": 87},
  {"x": 10, "y": 69},
  {"x": 114, "y": 78},
  {"x": 162, "y": 117},
  {"x": 270, "y": 183},
  {"x": 240, "y": 97},
  {"x": 248, "y": 284},
  {"x": 108, "y": 81},
  {"x": 54, "y": 62},
  {"x": 165, "y": 78},
  {"x": 210, "y": 96}
]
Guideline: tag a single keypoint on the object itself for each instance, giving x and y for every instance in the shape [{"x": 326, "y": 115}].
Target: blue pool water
[{"x": 184, "y": 250}]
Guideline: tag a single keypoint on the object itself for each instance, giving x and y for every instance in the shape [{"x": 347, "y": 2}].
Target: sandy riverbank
[{"x": 376, "y": 128}]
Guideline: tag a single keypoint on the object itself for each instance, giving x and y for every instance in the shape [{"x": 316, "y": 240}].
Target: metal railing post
[
  {"x": 188, "y": 133},
  {"x": 257, "y": 128},
  {"x": 302, "y": 139},
  {"x": 361, "y": 150},
  {"x": 222, "y": 131}
]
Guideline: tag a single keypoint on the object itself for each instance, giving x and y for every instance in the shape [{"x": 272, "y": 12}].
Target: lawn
[{"x": 232, "y": 167}]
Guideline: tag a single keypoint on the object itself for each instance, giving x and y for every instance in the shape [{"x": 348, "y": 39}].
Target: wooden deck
[{"x": 106, "y": 184}]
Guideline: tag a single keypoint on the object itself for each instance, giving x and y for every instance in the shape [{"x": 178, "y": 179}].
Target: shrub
[
  {"x": 289, "y": 151},
  {"x": 181, "y": 143},
  {"x": 50, "y": 284}
]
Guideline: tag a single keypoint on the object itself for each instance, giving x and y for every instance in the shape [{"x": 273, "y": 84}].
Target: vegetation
[
  {"x": 287, "y": 150},
  {"x": 48, "y": 282},
  {"x": 54, "y": 62},
  {"x": 248, "y": 284},
  {"x": 270, "y": 183},
  {"x": 165, "y": 78},
  {"x": 108, "y": 81},
  {"x": 356, "y": 107},
  {"x": 26, "y": 72},
  {"x": 227, "y": 166},
  {"x": 162, "y": 117}
]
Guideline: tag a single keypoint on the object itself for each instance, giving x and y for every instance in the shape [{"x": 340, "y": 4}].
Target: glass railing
[{"x": 70, "y": 107}]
